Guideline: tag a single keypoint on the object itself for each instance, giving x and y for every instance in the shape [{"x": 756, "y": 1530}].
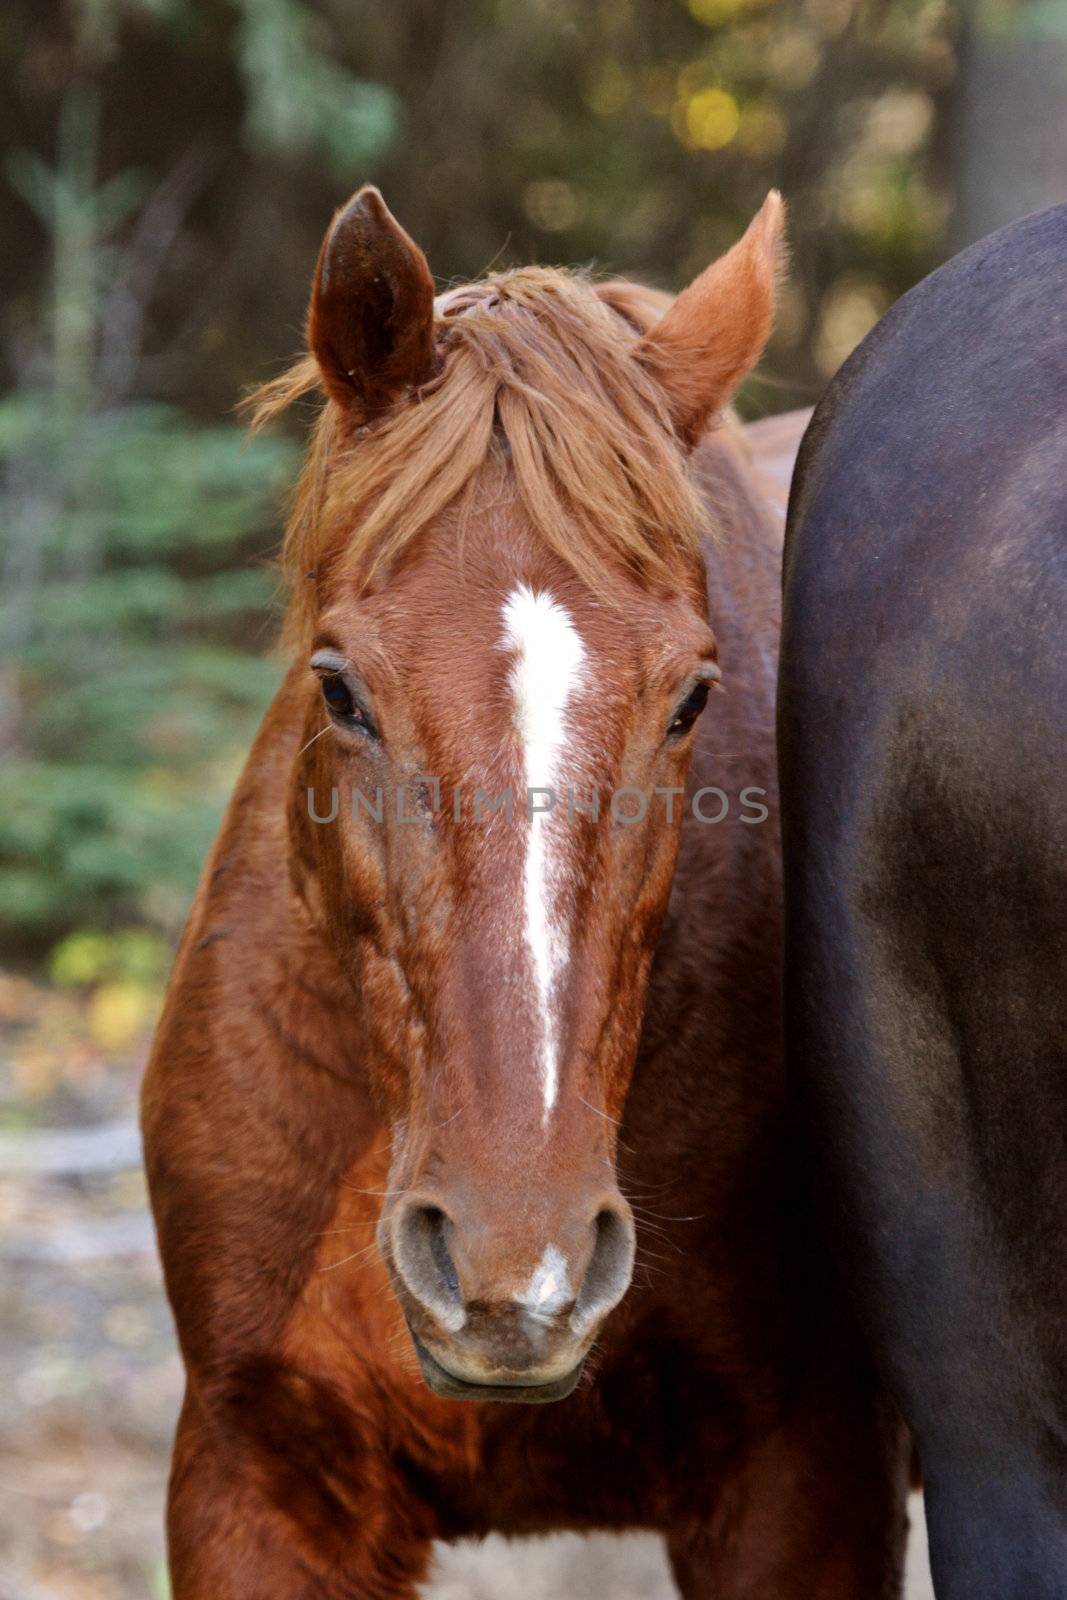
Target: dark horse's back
[{"x": 923, "y": 730}]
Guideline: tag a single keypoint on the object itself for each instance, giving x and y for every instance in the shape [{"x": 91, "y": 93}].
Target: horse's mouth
[{"x": 445, "y": 1383}]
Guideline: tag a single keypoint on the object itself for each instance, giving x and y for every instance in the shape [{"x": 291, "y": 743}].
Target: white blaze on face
[
  {"x": 547, "y": 671},
  {"x": 549, "y": 1288}
]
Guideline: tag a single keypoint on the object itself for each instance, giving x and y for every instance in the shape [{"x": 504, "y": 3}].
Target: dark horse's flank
[
  {"x": 422, "y": 1100},
  {"x": 923, "y": 735}
]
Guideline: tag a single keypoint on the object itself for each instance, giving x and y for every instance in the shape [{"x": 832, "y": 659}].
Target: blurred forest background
[
  {"x": 170, "y": 166},
  {"x": 168, "y": 169}
]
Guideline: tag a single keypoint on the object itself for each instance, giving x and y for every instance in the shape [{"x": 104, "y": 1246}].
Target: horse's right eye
[
  {"x": 338, "y": 697},
  {"x": 343, "y": 706},
  {"x": 342, "y": 697}
]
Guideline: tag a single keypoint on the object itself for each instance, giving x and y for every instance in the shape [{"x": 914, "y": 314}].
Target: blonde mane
[{"x": 536, "y": 370}]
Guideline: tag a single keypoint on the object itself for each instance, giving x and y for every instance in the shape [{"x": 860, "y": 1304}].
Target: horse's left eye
[{"x": 688, "y": 711}]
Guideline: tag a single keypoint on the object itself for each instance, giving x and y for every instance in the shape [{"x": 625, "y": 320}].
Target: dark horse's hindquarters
[{"x": 923, "y": 716}]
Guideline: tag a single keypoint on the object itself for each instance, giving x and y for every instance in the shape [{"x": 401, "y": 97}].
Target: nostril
[
  {"x": 435, "y": 1222},
  {"x": 610, "y": 1268},
  {"x": 424, "y": 1262}
]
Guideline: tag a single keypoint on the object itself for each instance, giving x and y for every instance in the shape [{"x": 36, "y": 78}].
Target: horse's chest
[{"x": 646, "y": 1431}]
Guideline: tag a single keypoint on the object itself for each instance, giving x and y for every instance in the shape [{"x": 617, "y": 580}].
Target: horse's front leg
[
  {"x": 228, "y": 1541},
  {"x": 814, "y": 1511}
]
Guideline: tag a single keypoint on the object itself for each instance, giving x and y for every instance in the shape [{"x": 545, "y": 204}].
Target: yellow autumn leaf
[{"x": 119, "y": 1011}]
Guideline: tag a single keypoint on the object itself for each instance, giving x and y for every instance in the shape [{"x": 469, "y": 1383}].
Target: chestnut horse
[{"x": 453, "y": 1097}]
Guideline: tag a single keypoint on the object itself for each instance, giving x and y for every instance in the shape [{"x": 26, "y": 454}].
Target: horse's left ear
[
  {"x": 370, "y": 322},
  {"x": 716, "y": 329}
]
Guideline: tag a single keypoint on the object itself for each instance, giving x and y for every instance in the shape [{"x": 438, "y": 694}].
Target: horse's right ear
[{"x": 370, "y": 322}]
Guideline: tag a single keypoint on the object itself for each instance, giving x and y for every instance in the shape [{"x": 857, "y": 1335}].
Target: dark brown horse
[
  {"x": 924, "y": 728},
  {"x": 444, "y": 1056}
]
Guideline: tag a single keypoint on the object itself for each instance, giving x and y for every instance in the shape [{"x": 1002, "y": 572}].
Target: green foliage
[
  {"x": 126, "y": 539},
  {"x": 123, "y": 714},
  {"x": 131, "y": 955},
  {"x": 302, "y": 102},
  {"x": 1042, "y": 19}
]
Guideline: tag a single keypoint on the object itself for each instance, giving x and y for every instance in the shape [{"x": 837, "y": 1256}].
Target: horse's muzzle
[
  {"x": 494, "y": 1316},
  {"x": 451, "y": 1387}
]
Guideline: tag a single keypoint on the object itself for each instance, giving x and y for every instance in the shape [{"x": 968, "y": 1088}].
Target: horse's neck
[
  {"x": 711, "y": 1044},
  {"x": 743, "y": 552}
]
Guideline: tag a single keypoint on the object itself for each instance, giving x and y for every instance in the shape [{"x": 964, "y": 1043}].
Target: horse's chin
[{"x": 450, "y": 1387}]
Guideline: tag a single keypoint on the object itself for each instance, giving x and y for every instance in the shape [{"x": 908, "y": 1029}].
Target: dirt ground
[{"x": 89, "y": 1377}]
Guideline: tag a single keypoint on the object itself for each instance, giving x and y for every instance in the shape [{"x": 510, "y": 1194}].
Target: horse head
[{"x": 499, "y": 604}]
